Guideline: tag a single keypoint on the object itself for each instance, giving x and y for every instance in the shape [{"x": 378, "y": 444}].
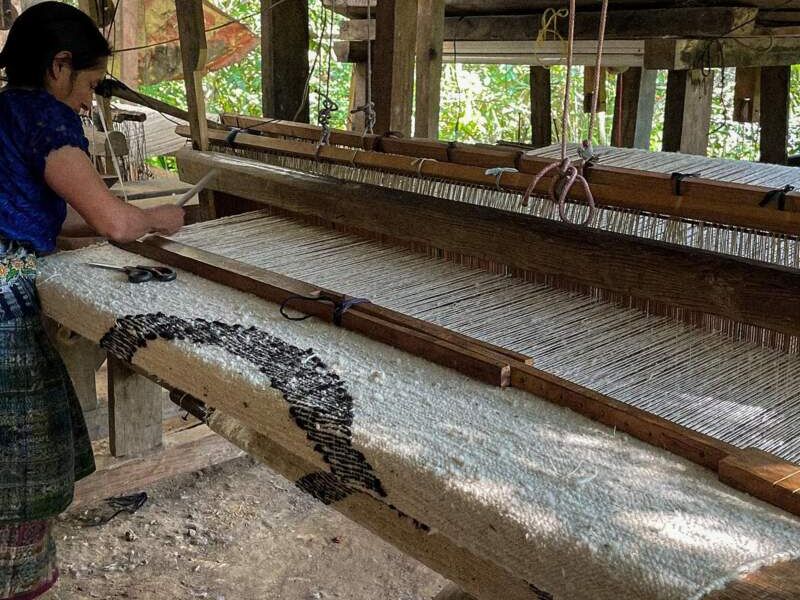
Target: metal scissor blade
[{"x": 111, "y": 267}]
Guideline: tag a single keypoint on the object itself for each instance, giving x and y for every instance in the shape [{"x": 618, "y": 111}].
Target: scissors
[{"x": 140, "y": 274}]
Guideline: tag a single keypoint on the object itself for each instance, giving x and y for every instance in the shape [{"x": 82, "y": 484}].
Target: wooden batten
[
  {"x": 741, "y": 290},
  {"x": 701, "y": 199},
  {"x": 471, "y": 357}
]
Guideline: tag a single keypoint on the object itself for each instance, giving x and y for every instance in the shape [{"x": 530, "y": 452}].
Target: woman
[{"x": 53, "y": 59}]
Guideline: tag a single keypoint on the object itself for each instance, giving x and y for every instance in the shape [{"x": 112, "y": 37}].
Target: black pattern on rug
[{"x": 319, "y": 402}]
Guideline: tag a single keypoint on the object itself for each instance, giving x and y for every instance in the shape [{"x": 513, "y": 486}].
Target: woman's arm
[{"x": 71, "y": 175}]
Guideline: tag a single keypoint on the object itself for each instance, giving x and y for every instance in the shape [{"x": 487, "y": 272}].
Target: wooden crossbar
[{"x": 701, "y": 199}]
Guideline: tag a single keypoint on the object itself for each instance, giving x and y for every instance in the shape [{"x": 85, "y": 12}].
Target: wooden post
[
  {"x": 134, "y": 411},
  {"x": 588, "y": 90},
  {"x": 284, "y": 59},
  {"x": 358, "y": 96},
  {"x": 775, "y": 114},
  {"x": 7, "y": 15},
  {"x": 687, "y": 114},
  {"x": 634, "y": 107},
  {"x": 541, "y": 108},
  {"x": 393, "y": 65},
  {"x": 82, "y": 358},
  {"x": 130, "y": 34},
  {"x": 194, "y": 53},
  {"x": 430, "y": 42},
  {"x": 747, "y": 95}
]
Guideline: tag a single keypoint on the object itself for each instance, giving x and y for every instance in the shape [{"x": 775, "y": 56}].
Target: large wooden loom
[
  {"x": 368, "y": 240},
  {"x": 545, "y": 263}
]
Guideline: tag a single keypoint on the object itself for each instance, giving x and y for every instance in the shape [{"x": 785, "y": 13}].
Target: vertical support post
[
  {"x": 633, "y": 110},
  {"x": 129, "y": 33},
  {"x": 541, "y": 107},
  {"x": 588, "y": 90},
  {"x": 430, "y": 43},
  {"x": 358, "y": 95},
  {"x": 687, "y": 114},
  {"x": 747, "y": 95},
  {"x": 775, "y": 114},
  {"x": 284, "y": 59},
  {"x": 7, "y": 15},
  {"x": 194, "y": 54},
  {"x": 134, "y": 411},
  {"x": 393, "y": 65}
]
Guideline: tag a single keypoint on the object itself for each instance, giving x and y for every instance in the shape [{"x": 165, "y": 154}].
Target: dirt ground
[{"x": 237, "y": 531}]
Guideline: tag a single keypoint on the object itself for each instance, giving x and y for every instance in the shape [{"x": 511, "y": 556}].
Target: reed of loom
[{"x": 480, "y": 248}]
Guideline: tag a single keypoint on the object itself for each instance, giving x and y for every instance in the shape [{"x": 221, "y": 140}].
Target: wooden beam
[
  {"x": 692, "y": 22},
  {"x": 541, "y": 109},
  {"x": 393, "y": 65},
  {"x": 634, "y": 108},
  {"x": 741, "y": 290},
  {"x": 134, "y": 411},
  {"x": 756, "y": 51},
  {"x": 430, "y": 23},
  {"x": 700, "y": 199},
  {"x": 687, "y": 114},
  {"x": 358, "y": 97},
  {"x": 775, "y": 84},
  {"x": 185, "y": 451},
  {"x": 747, "y": 95},
  {"x": 284, "y": 59},
  {"x": 194, "y": 53}
]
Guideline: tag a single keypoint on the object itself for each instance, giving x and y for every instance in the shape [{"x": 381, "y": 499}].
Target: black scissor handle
[
  {"x": 160, "y": 273},
  {"x": 138, "y": 274}
]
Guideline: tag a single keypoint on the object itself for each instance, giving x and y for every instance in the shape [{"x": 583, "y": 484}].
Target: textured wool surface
[{"x": 571, "y": 506}]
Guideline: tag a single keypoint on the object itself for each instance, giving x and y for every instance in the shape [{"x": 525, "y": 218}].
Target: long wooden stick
[{"x": 701, "y": 199}]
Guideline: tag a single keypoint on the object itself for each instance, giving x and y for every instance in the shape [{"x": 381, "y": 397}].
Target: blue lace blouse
[{"x": 33, "y": 123}]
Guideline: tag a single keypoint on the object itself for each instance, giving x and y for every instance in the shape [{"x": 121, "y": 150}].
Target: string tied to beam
[
  {"x": 340, "y": 307},
  {"x": 328, "y": 108},
  {"x": 420, "y": 162},
  {"x": 498, "y": 173},
  {"x": 369, "y": 116},
  {"x": 778, "y": 196}
]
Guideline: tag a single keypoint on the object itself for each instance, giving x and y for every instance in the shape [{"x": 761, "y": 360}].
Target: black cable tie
[
  {"x": 677, "y": 179},
  {"x": 340, "y": 307},
  {"x": 231, "y": 138},
  {"x": 777, "y": 195}
]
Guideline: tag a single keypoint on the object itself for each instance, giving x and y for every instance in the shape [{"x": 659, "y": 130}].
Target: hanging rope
[{"x": 566, "y": 174}]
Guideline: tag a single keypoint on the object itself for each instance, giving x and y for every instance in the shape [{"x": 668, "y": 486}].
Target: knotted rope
[{"x": 567, "y": 174}]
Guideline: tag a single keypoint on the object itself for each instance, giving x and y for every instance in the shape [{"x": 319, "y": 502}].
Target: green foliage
[{"x": 480, "y": 103}]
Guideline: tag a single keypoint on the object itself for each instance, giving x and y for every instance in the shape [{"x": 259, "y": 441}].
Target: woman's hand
[{"x": 167, "y": 218}]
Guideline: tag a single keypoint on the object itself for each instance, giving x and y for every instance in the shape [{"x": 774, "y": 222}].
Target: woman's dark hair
[{"x": 41, "y": 32}]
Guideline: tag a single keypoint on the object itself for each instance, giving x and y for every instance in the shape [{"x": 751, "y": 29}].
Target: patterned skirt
[
  {"x": 27, "y": 560},
  {"x": 44, "y": 444}
]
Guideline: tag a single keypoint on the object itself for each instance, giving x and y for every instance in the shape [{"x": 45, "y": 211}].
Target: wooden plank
[
  {"x": 755, "y": 51},
  {"x": 775, "y": 582},
  {"x": 687, "y": 114},
  {"x": 284, "y": 59},
  {"x": 775, "y": 83},
  {"x": 473, "y": 358},
  {"x": 764, "y": 476},
  {"x": 358, "y": 97},
  {"x": 430, "y": 23},
  {"x": 541, "y": 108},
  {"x": 701, "y": 199},
  {"x": 738, "y": 289},
  {"x": 185, "y": 452},
  {"x": 129, "y": 23},
  {"x": 393, "y": 65},
  {"x": 747, "y": 95},
  {"x": 453, "y": 592},
  {"x": 134, "y": 411},
  {"x": 703, "y": 22},
  {"x": 194, "y": 53}
]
